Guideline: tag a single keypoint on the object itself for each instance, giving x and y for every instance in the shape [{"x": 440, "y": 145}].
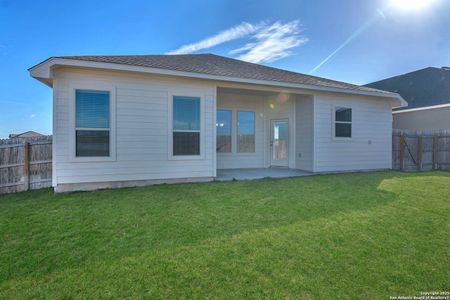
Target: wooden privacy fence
[
  {"x": 25, "y": 166},
  {"x": 420, "y": 151}
]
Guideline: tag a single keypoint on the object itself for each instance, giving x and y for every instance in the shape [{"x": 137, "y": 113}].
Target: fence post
[
  {"x": 435, "y": 151},
  {"x": 402, "y": 150},
  {"x": 26, "y": 165},
  {"x": 419, "y": 152}
]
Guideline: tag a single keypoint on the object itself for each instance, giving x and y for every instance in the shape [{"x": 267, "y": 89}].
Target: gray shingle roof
[
  {"x": 421, "y": 88},
  {"x": 216, "y": 65}
]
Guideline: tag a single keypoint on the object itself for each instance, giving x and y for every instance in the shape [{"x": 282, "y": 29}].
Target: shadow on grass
[
  {"x": 323, "y": 249},
  {"x": 43, "y": 233}
]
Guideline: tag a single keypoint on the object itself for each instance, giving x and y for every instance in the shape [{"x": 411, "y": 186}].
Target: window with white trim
[
  {"x": 343, "y": 122},
  {"x": 92, "y": 123},
  {"x": 186, "y": 126},
  {"x": 223, "y": 131},
  {"x": 246, "y": 131}
]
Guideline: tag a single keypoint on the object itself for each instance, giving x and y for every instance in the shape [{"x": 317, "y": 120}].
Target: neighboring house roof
[
  {"x": 210, "y": 66},
  {"x": 425, "y": 108},
  {"x": 421, "y": 88},
  {"x": 26, "y": 134}
]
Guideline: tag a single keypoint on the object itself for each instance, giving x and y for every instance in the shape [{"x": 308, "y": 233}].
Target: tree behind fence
[
  {"x": 420, "y": 151},
  {"x": 25, "y": 164}
]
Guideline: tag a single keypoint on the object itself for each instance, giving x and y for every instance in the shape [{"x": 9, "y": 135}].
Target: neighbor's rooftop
[{"x": 428, "y": 87}]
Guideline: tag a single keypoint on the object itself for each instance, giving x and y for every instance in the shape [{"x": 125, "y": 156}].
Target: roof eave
[
  {"x": 424, "y": 108},
  {"x": 401, "y": 102},
  {"x": 43, "y": 73}
]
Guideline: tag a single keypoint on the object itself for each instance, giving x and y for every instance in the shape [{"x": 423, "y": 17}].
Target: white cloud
[
  {"x": 273, "y": 42},
  {"x": 233, "y": 33},
  {"x": 266, "y": 42},
  {"x": 32, "y": 116}
]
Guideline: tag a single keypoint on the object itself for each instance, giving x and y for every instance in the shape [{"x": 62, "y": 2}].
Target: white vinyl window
[
  {"x": 246, "y": 132},
  {"x": 186, "y": 126},
  {"x": 92, "y": 123},
  {"x": 342, "y": 122},
  {"x": 223, "y": 131}
]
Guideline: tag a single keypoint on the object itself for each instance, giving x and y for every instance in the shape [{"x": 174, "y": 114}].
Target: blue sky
[{"x": 296, "y": 35}]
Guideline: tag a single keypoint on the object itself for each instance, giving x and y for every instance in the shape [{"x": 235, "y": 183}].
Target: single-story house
[
  {"x": 25, "y": 135},
  {"x": 138, "y": 120},
  {"x": 433, "y": 118},
  {"x": 427, "y": 92}
]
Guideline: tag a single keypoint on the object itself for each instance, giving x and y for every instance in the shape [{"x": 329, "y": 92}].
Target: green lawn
[{"x": 354, "y": 236}]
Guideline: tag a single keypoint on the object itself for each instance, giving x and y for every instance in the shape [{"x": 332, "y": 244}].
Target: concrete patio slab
[{"x": 259, "y": 173}]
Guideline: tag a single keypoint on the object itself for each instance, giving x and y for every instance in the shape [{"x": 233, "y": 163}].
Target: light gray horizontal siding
[
  {"x": 372, "y": 121},
  {"x": 141, "y": 130},
  {"x": 423, "y": 120},
  {"x": 304, "y": 133},
  {"x": 236, "y": 102}
]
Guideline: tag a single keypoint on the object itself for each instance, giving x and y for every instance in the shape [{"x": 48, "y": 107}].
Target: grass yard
[{"x": 354, "y": 236}]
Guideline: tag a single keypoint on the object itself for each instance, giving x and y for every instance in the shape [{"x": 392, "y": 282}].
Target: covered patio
[
  {"x": 263, "y": 133},
  {"x": 258, "y": 173}
]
